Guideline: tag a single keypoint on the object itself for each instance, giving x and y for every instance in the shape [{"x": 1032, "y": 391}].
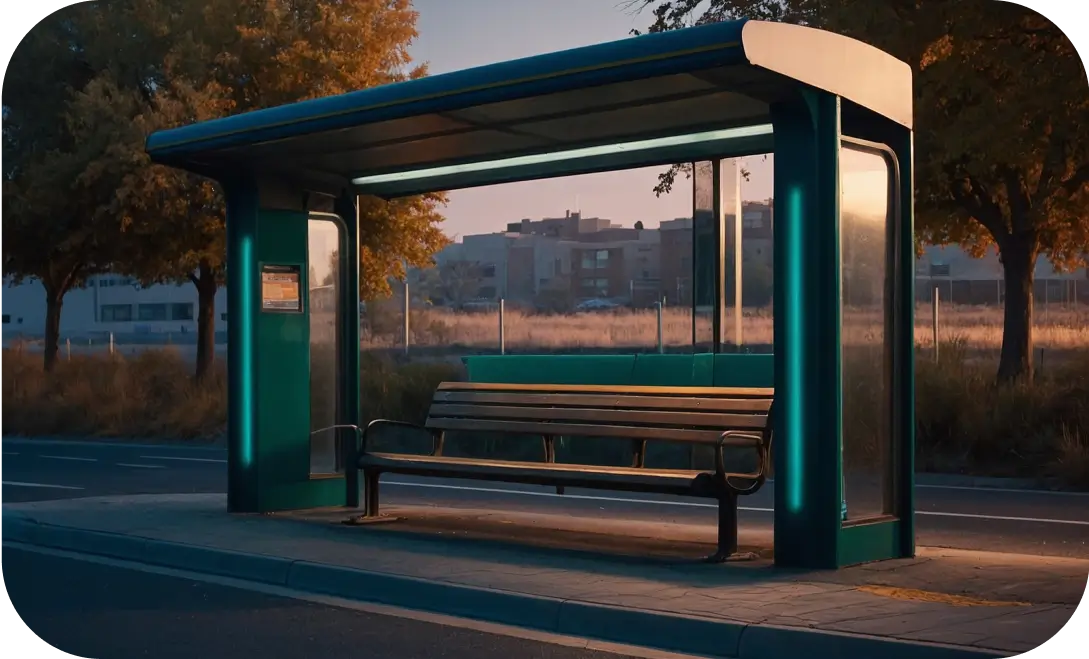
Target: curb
[{"x": 652, "y": 629}]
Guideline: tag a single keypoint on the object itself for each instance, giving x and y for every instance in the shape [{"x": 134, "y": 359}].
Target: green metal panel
[
  {"x": 301, "y": 493},
  {"x": 862, "y": 543},
  {"x": 551, "y": 369},
  {"x": 744, "y": 370},
  {"x": 703, "y": 370},
  {"x": 283, "y": 367},
  {"x": 807, "y": 342},
  {"x": 664, "y": 370}
]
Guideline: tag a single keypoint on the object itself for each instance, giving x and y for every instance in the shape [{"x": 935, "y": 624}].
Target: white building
[{"x": 109, "y": 303}]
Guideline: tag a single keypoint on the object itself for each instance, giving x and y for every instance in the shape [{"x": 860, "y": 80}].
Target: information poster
[{"x": 280, "y": 288}]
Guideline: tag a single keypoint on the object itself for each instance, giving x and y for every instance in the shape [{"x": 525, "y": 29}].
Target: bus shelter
[{"x": 827, "y": 107}]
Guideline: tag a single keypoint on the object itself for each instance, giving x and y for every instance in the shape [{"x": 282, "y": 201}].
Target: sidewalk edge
[{"x": 653, "y": 629}]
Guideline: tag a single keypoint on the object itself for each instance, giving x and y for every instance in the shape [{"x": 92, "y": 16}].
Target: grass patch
[{"x": 966, "y": 423}]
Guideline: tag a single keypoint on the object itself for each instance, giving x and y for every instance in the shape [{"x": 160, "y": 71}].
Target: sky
[{"x": 458, "y": 34}]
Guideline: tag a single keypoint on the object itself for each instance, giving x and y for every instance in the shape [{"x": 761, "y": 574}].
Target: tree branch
[
  {"x": 1075, "y": 182},
  {"x": 973, "y": 197}
]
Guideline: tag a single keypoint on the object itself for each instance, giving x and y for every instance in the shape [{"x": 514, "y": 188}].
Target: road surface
[
  {"x": 106, "y": 610},
  {"x": 1044, "y": 523}
]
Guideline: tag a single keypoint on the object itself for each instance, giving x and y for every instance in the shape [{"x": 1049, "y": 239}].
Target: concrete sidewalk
[{"x": 620, "y": 581}]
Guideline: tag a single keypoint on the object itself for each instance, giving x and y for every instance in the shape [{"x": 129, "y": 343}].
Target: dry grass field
[
  {"x": 978, "y": 329},
  {"x": 966, "y": 423}
]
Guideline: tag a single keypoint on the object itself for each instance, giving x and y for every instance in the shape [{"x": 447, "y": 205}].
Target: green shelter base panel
[
  {"x": 653, "y": 370},
  {"x": 867, "y": 541}
]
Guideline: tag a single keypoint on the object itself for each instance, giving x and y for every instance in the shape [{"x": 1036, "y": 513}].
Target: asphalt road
[
  {"x": 1044, "y": 523},
  {"x": 106, "y": 611}
]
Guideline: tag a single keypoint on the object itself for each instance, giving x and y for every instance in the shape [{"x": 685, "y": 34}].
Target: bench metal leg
[
  {"x": 638, "y": 453},
  {"x": 351, "y": 482},
  {"x": 370, "y": 503},
  {"x": 370, "y": 491},
  {"x": 727, "y": 531}
]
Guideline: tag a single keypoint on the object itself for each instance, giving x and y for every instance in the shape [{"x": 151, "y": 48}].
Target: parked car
[{"x": 596, "y": 304}]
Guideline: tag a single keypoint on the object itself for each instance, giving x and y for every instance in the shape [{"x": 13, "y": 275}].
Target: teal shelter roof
[{"x": 634, "y": 102}]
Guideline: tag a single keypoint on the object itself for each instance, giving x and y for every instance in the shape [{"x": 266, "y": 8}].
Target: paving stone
[{"x": 752, "y": 593}]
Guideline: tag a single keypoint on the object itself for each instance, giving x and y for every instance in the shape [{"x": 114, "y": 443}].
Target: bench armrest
[
  {"x": 742, "y": 438},
  {"x": 383, "y": 422}
]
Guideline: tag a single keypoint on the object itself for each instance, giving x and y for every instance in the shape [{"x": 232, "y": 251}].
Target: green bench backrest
[{"x": 703, "y": 370}]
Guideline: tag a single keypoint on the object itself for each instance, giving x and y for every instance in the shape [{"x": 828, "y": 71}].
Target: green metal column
[
  {"x": 243, "y": 290},
  {"x": 807, "y": 331},
  {"x": 902, "y": 144},
  {"x": 348, "y": 209},
  {"x": 269, "y": 357}
]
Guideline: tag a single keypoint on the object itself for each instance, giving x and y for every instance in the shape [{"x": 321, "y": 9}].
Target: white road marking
[
  {"x": 694, "y": 504},
  {"x": 14, "y": 441},
  {"x": 68, "y": 457},
  {"x": 1007, "y": 490},
  {"x": 165, "y": 457},
  {"x": 136, "y": 466},
  {"x": 499, "y": 629},
  {"x": 986, "y": 490},
  {"x": 10, "y": 453},
  {"x": 41, "y": 485},
  {"x": 1041, "y": 520}
]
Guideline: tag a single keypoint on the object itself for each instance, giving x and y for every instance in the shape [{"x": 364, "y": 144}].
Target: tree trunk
[
  {"x": 1019, "y": 269},
  {"x": 53, "y": 303},
  {"x": 207, "y": 286}
]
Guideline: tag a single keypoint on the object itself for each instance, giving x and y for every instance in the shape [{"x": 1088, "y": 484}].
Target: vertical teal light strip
[
  {"x": 245, "y": 270},
  {"x": 795, "y": 351}
]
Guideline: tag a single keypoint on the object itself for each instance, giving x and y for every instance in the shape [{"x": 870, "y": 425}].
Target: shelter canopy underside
[{"x": 635, "y": 92}]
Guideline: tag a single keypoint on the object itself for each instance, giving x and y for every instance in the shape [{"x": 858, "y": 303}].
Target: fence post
[
  {"x": 934, "y": 320},
  {"x": 111, "y": 343},
  {"x": 407, "y": 313},
  {"x": 658, "y": 311},
  {"x": 502, "y": 327},
  {"x": 68, "y": 348}
]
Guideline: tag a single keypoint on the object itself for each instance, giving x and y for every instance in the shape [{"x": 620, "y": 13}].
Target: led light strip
[{"x": 573, "y": 154}]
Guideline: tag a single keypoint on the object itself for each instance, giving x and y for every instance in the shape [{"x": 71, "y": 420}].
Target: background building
[{"x": 550, "y": 264}]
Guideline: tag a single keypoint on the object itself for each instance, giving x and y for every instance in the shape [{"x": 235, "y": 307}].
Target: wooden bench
[{"x": 715, "y": 417}]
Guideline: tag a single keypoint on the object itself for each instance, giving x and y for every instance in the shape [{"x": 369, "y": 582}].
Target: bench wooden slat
[
  {"x": 540, "y": 466},
  {"x": 588, "y": 430},
  {"x": 725, "y": 392},
  {"x": 621, "y": 401},
  {"x": 690, "y": 420},
  {"x": 677, "y": 481}
]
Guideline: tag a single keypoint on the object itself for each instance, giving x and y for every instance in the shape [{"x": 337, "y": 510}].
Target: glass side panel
[
  {"x": 756, "y": 334},
  {"x": 324, "y": 281},
  {"x": 865, "y": 241},
  {"x": 729, "y": 180},
  {"x": 704, "y": 256}
]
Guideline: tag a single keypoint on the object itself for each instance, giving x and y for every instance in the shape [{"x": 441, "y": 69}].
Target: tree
[
  {"x": 54, "y": 227},
  {"x": 1002, "y": 128},
  {"x": 164, "y": 63}
]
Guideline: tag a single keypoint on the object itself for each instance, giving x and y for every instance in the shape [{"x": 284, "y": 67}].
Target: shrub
[{"x": 966, "y": 423}]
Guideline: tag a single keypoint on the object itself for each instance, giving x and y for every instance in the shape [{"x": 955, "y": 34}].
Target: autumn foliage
[
  {"x": 88, "y": 85},
  {"x": 1002, "y": 127}
]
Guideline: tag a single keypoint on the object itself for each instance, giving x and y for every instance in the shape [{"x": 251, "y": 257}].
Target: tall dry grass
[
  {"x": 980, "y": 328},
  {"x": 966, "y": 423}
]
